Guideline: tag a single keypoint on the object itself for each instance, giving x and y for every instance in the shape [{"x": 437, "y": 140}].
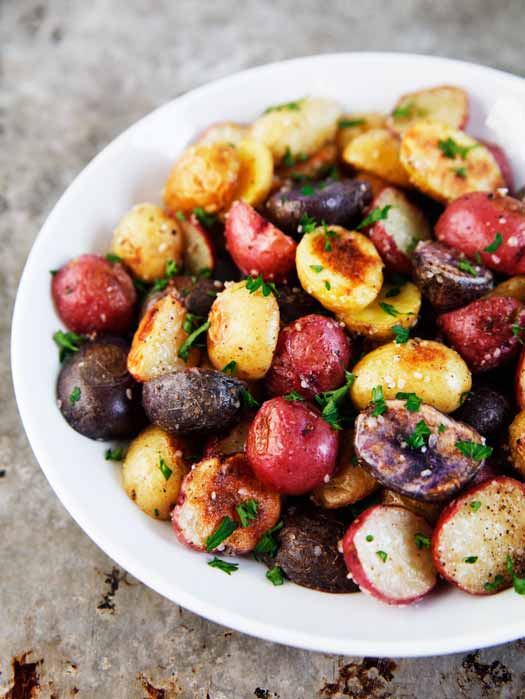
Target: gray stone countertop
[{"x": 73, "y": 75}]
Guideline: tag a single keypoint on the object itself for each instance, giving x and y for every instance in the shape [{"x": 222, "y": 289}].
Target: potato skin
[
  {"x": 486, "y": 410},
  {"x": 482, "y": 332},
  {"x": 92, "y": 294},
  {"x": 471, "y": 222},
  {"x": 290, "y": 447},
  {"x": 514, "y": 287},
  {"x": 257, "y": 246},
  {"x": 108, "y": 405},
  {"x": 338, "y": 202},
  {"x": 517, "y": 443},
  {"x": 437, "y": 274},
  {"x": 146, "y": 239},
  {"x": 192, "y": 400},
  {"x": 435, "y": 372},
  {"x": 243, "y": 328},
  {"x": 205, "y": 176},
  {"x": 142, "y": 478},
  {"x": 433, "y": 473},
  {"x": 352, "y": 271},
  {"x": 256, "y": 172},
  {"x": 295, "y": 303},
  {"x": 428, "y": 510},
  {"x": 311, "y": 356}
]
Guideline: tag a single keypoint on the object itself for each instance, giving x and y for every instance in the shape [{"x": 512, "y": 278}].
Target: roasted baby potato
[
  {"x": 445, "y": 163},
  {"x": 447, "y": 278},
  {"x": 340, "y": 268},
  {"x": 486, "y": 410},
  {"x": 199, "y": 249},
  {"x": 397, "y": 234},
  {"x": 311, "y": 356},
  {"x": 146, "y": 239},
  {"x": 300, "y": 127},
  {"x": 487, "y": 332},
  {"x": 256, "y": 173},
  {"x": 517, "y": 443},
  {"x": 429, "y": 510},
  {"x": 193, "y": 400},
  {"x": 445, "y": 103},
  {"x": 153, "y": 470},
  {"x": 257, "y": 246},
  {"x": 407, "y": 451},
  {"x": 350, "y": 482},
  {"x": 223, "y": 132},
  {"x": 489, "y": 225},
  {"x": 308, "y": 550},
  {"x": 352, "y": 125},
  {"x": 436, "y": 373},
  {"x": 92, "y": 294},
  {"x": 244, "y": 326},
  {"x": 158, "y": 340},
  {"x": 216, "y": 488},
  {"x": 377, "y": 151},
  {"x": 394, "y": 306},
  {"x": 333, "y": 201},
  {"x": 513, "y": 287},
  {"x": 96, "y": 394},
  {"x": 205, "y": 176},
  {"x": 295, "y": 303},
  {"x": 316, "y": 166}
]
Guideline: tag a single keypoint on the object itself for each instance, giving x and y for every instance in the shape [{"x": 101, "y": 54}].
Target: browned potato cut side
[
  {"x": 445, "y": 103},
  {"x": 377, "y": 151}
]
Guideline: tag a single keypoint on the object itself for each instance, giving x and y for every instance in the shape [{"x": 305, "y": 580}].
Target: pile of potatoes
[{"x": 310, "y": 344}]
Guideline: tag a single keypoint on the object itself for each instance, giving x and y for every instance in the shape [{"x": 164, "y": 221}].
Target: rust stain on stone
[
  {"x": 26, "y": 684},
  {"x": 113, "y": 580},
  {"x": 368, "y": 679},
  {"x": 153, "y": 692},
  {"x": 491, "y": 675}
]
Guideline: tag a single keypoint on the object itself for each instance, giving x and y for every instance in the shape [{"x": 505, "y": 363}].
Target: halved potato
[
  {"x": 517, "y": 443},
  {"x": 158, "y": 339},
  {"x": 256, "y": 174},
  {"x": 445, "y": 163},
  {"x": 340, "y": 268},
  {"x": 377, "y": 151},
  {"x": 513, "y": 287},
  {"x": 388, "y": 309},
  {"x": 429, "y": 510},
  {"x": 352, "y": 125},
  {"x": 223, "y": 132},
  {"x": 312, "y": 166},
  {"x": 445, "y": 103},
  {"x": 199, "y": 251}
]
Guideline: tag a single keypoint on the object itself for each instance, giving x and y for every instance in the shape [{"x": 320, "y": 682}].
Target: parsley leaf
[
  {"x": 290, "y": 106},
  {"x": 419, "y": 437},
  {"x": 327, "y": 285},
  {"x": 275, "y": 575},
  {"x": 288, "y": 159},
  {"x": 180, "y": 215},
  {"x": 407, "y": 110},
  {"x": 388, "y": 308},
  {"x": 172, "y": 269},
  {"x": 413, "y": 401},
  {"x": 74, "y": 396},
  {"x": 258, "y": 283},
  {"x": 307, "y": 190},
  {"x": 223, "y": 531},
  {"x": 229, "y": 368},
  {"x": 226, "y": 567},
  {"x": 111, "y": 257},
  {"x": 317, "y": 268},
  {"x": 441, "y": 428},
  {"x": 247, "y": 512},
  {"x": 307, "y": 224},
  {"x": 475, "y": 505},
  {"x": 377, "y": 214},
  {"x": 247, "y": 399},
  {"x": 401, "y": 334},
  {"x": 495, "y": 585},
  {"x": 267, "y": 543},
  {"x": 451, "y": 149},
  {"x": 204, "y": 218},
  {"x": 350, "y": 123},
  {"x": 498, "y": 239},
  {"x": 460, "y": 171},
  {"x": 519, "y": 583},
  {"x": 378, "y": 401},
  {"x": 422, "y": 541},
  {"x": 369, "y": 537},
  {"x": 470, "y": 559},
  {"x": 184, "y": 351},
  {"x": 516, "y": 331},
  {"x": 382, "y": 555},
  {"x": 68, "y": 343},
  {"x": 394, "y": 291},
  {"x": 332, "y": 403},
  {"x": 191, "y": 321},
  {"x": 116, "y": 454},
  {"x": 465, "y": 266},
  {"x": 165, "y": 469},
  {"x": 293, "y": 395},
  {"x": 474, "y": 450}
]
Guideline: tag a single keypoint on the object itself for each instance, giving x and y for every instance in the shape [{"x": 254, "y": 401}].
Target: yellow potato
[
  {"x": 429, "y": 153},
  {"x": 158, "y": 339},
  {"x": 352, "y": 125},
  {"x": 256, "y": 174},
  {"x": 243, "y": 328},
  {"x": 205, "y": 176},
  {"x": 377, "y": 320},
  {"x": 436, "y": 373},
  {"x": 445, "y": 103},
  {"x": 224, "y": 132},
  {"x": 153, "y": 470},
  {"x": 429, "y": 510},
  {"x": 350, "y": 483},
  {"x": 146, "y": 239},
  {"x": 513, "y": 287},
  {"x": 340, "y": 268},
  {"x": 517, "y": 443},
  {"x": 377, "y": 151},
  {"x": 299, "y": 128}
]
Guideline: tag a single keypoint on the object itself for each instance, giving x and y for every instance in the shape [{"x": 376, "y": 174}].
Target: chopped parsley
[
  {"x": 68, "y": 343},
  {"x": 328, "y": 236},
  {"x": 165, "y": 469},
  {"x": 223, "y": 531},
  {"x": 470, "y": 559},
  {"x": 474, "y": 450},
  {"x": 226, "y": 567},
  {"x": 307, "y": 224},
  {"x": 369, "y": 537},
  {"x": 267, "y": 543},
  {"x": 388, "y": 308},
  {"x": 333, "y": 403},
  {"x": 184, "y": 351},
  {"x": 191, "y": 321},
  {"x": 377, "y": 214},
  {"x": 74, "y": 396},
  {"x": 460, "y": 171},
  {"x": 516, "y": 331},
  {"x": 141, "y": 287},
  {"x": 293, "y": 395},
  {"x": 180, "y": 215},
  {"x": 495, "y": 585},
  {"x": 441, "y": 428},
  {"x": 498, "y": 239},
  {"x": 350, "y": 123},
  {"x": 518, "y": 583},
  {"x": 382, "y": 555},
  {"x": 172, "y": 269},
  {"x": 53, "y": 272},
  {"x": 116, "y": 454},
  {"x": 477, "y": 257},
  {"x": 229, "y": 368},
  {"x": 317, "y": 268},
  {"x": 401, "y": 334},
  {"x": 413, "y": 401},
  {"x": 465, "y": 266},
  {"x": 451, "y": 149},
  {"x": 422, "y": 541},
  {"x": 327, "y": 285},
  {"x": 247, "y": 399},
  {"x": 419, "y": 437},
  {"x": 258, "y": 283},
  {"x": 475, "y": 505},
  {"x": 378, "y": 401},
  {"x": 111, "y": 257},
  {"x": 204, "y": 218},
  {"x": 407, "y": 110},
  {"x": 275, "y": 575},
  {"x": 289, "y": 106},
  {"x": 156, "y": 512},
  {"x": 307, "y": 190},
  {"x": 394, "y": 291},
  {"x": 247, "y": 512},
  {"x": 288, "y": 159}
]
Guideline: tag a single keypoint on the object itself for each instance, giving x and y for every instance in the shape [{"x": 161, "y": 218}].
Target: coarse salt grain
[
  {"x": 418, "y": 375},
  {"x": 427, "y": 472},
  {"x": 129, "y": 393},
  {"x": 213, "y": 495},
  {"x": 326, "y": 479}
]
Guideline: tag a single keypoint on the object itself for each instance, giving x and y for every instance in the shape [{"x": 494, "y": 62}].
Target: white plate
[{"x": 130, "y": 170}]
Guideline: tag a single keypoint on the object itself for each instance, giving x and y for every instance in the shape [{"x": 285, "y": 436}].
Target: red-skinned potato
[
  {"x": 487, "y": 332},
  {"x": 311, "y": 356},
  {"x": 92, "y": 294},
  {"x": 213, "y": 490},
  {"x": 398, "y": 234},
  {"x": 257, "y": 246},
  {"x": 477, "y": 532},
  {"x": 290, "y": 447},
  {"x": 477, "y": 221},
  {"x": 387, "y": 555},
  {"x": 199, "y": 250}
]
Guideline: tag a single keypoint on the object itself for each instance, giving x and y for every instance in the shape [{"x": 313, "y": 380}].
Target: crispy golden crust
[{"x": 377, "y": 151}]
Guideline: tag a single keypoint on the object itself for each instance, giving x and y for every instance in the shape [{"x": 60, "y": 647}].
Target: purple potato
[{"x": 486, "y": 410}]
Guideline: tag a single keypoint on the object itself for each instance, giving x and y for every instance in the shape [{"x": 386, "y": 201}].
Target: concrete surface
[{"x": 72, "y": 76}]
